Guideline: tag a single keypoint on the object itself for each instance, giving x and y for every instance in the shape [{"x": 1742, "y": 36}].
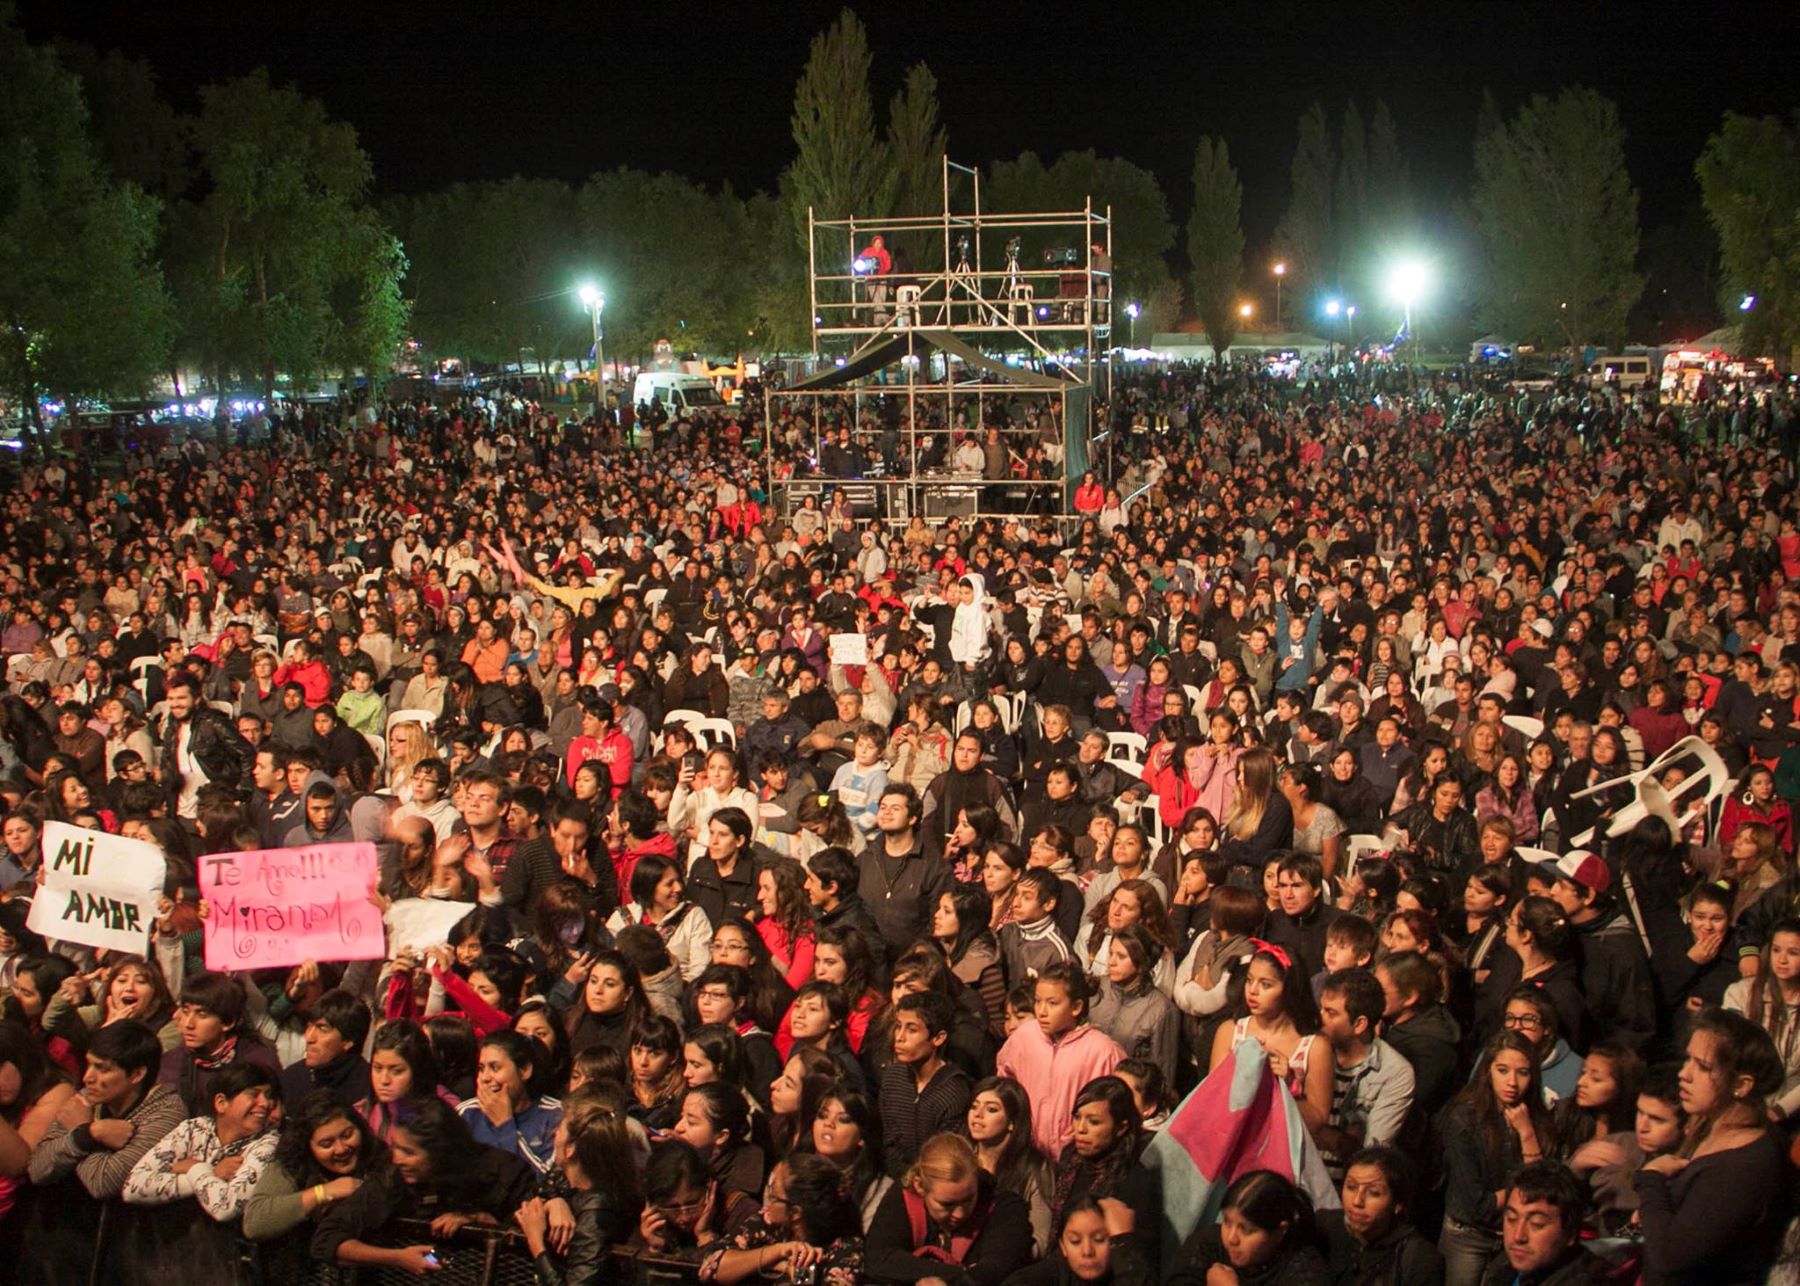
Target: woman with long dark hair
[
  {"x": 1714, "y": 1210},
  {"x": 403, "y": 1068},
  {"x": 32, "y": 1091},
  {"x": 1264, "y": 1236},
  {"x": 1496, "y": 1124},
  {"x": 1277, "y": 1012},
  {"x": 1771, "y": 1000},
  {"x": 611, "y": 1006},
  {"x": 1101, "y": 1160},
  {"x": 959, "y": 927},
  {"x": 999, "y": 1125},
  {"x": 325, "y": 1153},
  {"x": 438, "y": 1168},
  {"x": 597, "y": 1158},
  {"x": 846, "y": 1131}
]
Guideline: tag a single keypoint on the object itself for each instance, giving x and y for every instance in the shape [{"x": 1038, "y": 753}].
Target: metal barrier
[{"x": 477, "y": 1255}]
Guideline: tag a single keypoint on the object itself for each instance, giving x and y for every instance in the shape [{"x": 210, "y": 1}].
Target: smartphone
[{"x": 433, "y": 1260}]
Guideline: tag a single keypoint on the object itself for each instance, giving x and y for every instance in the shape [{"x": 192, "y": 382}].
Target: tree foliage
[
  {"x": 292, "y": 236},
  {"x": 1750, "y": 183},
  {"x": 1558, "y": 221},
  {"x": 493, "y": 266},
  {"x": 1216, "y": 241},
  {"x": 670, "y": 256},
  {"x": 916, "y": 146},
  {"x": 842, "y": 168},
  {"x": 136, "y": 134},
  {"x": 1143, "y": 233},
  {"x": 1305, "y": 234},
  {"x": 81, "y": 297}
]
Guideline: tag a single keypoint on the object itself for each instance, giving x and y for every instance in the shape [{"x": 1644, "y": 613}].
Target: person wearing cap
[{"x": 1615, "y": 969}]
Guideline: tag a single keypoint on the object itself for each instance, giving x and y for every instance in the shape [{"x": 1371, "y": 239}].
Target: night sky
[{"x": 443, "y": 92}]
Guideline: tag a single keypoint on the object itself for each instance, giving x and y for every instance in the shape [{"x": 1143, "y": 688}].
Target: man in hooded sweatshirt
[{"x": 326, "y": 821}]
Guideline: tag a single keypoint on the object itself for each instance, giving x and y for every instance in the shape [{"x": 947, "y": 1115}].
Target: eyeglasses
[{"x": 1523, "y": 1022}]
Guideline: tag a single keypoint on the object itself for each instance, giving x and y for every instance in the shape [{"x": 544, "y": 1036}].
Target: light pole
[
  {"x": 1407, "y": 283},
  {"x": 1333, "y": 310},
  {"x": 595, "y": 302},
  {"x": 1280, "y": 271},
  {"x": 1132, "y": 311}
]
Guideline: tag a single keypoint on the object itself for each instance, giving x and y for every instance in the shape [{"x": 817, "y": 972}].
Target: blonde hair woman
[
  {"x": 407, "y": 745},
  {"x": 1261, "y": 821},
  {"x": 948, "y": 1209}
]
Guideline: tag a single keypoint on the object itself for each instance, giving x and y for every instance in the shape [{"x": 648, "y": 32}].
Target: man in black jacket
[
  {"x": 896, "y": 878},
  {"x": 1615, "y": 970},
  {"x": 831, "y": 879},
  {"x": 1305, "y": 916},
  {"x": 200, "y": 745}
]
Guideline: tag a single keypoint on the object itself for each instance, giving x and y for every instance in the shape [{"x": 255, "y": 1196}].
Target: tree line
[{"x": 247, "y": 239}]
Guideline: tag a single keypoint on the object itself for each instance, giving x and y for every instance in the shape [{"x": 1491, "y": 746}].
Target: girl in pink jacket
[{"x": 1054, "y": 1057}]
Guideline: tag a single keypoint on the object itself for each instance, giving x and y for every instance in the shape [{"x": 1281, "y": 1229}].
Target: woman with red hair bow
[{"x": 1277, "y": 1013}]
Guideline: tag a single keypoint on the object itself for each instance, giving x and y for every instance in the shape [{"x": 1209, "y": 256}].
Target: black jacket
[
  {"x": 223, "y": 756},
  {"x": 1002, "y": 1244},
  {"x": 1429, "y": 1043},
  {"x": 903, "y": 895},
  {"x": 1401, "y": 1258},
  {"x": 1616, "y": 979}
]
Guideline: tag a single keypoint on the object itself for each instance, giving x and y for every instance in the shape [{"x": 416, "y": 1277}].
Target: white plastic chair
[
  {"x": 683, "y": 715},
  {"x": 379, "y": 746},
  {"x": 710, "y": 734},
  {"x": 267, "y": 641},
  {"x": 1653, "y": 801},
  {"x": 424, "y": 717},
  {"x": 1126, "y": 747},
  {"x": 1526, "y": 726},
  {"x": 653, "y": 599},
  {"x": 1357, "y": 847},
  {"x": 1193, "y": 696}
]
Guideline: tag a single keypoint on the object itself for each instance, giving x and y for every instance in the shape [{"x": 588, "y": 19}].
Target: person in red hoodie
[
  {"x": 308, "y": 671},
  {"x": 635, "y": 831}
]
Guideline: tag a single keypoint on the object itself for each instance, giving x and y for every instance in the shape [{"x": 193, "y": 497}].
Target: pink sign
[{"x": 284, "y": 906}]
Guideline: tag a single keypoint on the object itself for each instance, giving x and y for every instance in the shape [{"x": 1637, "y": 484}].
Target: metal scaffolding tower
[{"x": 938, "y": 331}]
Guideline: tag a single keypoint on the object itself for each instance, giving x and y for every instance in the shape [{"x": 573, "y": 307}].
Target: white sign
[
  {"x": 99, "y": 890},
  {"x": 849, "y": 649},
  {"x": 414, "y": 924}
]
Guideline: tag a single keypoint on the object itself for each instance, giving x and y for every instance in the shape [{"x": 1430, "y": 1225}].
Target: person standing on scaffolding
[{"x": 875, "y": 263}]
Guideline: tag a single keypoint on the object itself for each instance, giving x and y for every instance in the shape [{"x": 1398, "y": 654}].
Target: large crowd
[{"x": 846, "y": 901}]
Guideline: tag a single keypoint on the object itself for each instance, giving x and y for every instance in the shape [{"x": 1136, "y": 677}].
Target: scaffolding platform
[{"x": 940, "y": 331}]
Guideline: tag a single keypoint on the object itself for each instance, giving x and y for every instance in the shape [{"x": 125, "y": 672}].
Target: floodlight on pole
[
  {"x": 1406, "y": 283},
  {"x": 1279, "y": 268},
  {"x": 594, "y": 300},
  {"x": 1132, "y": 311}
]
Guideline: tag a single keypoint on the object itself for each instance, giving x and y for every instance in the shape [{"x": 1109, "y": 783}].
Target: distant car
[{"x": 1626, "y": 371}]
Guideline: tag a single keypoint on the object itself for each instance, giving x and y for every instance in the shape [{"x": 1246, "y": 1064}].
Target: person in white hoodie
[{"x": 969, "y": 624}]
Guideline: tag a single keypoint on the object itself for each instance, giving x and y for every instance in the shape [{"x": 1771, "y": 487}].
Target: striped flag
[{"x": 1240, "y": 1118}]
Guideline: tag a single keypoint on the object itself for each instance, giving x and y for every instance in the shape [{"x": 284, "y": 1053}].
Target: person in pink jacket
[
  {"x": 1054, "y": 1057},
  {"x": 1206, "y": 778}
]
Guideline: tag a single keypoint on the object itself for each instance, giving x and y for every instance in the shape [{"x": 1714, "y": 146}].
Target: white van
[
  {"x": 1628, "y": 371},
  {"x": 677, "y": 392}
]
